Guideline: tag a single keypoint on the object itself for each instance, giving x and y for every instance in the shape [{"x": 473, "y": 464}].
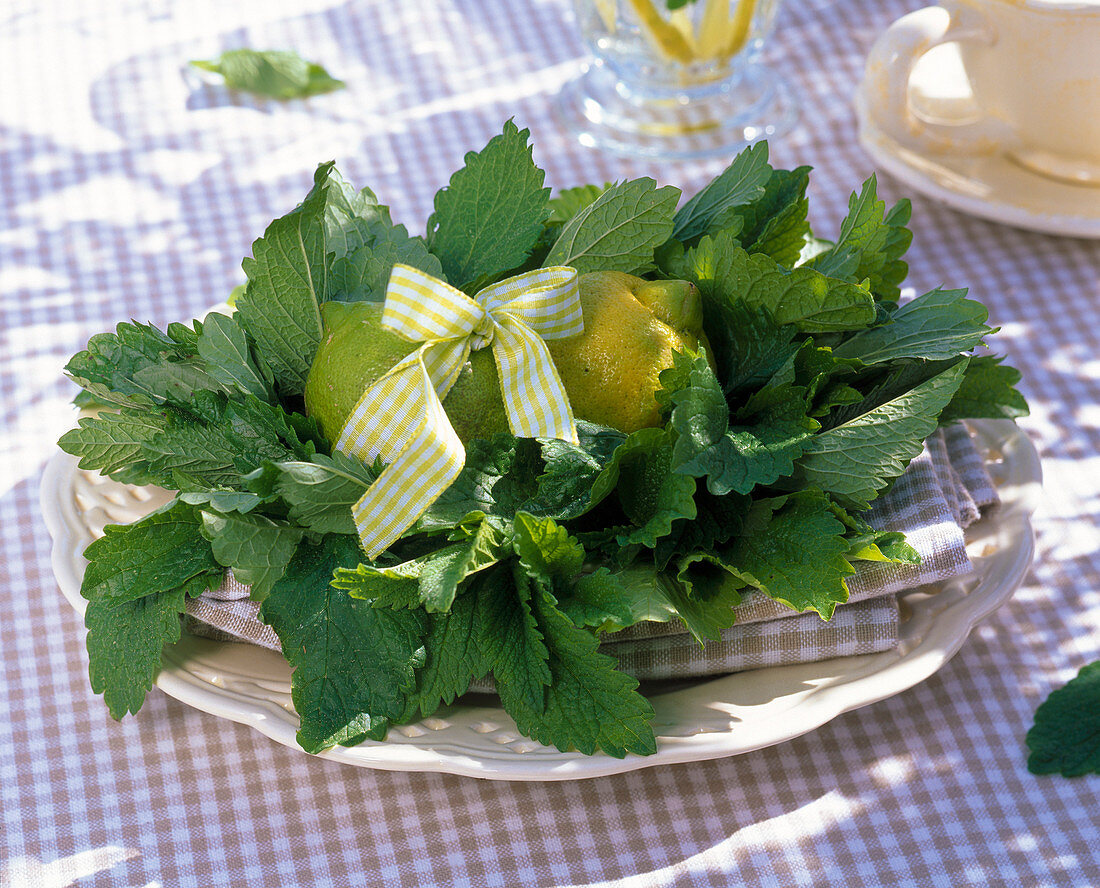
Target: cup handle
[{"x": 890, "y": 66}]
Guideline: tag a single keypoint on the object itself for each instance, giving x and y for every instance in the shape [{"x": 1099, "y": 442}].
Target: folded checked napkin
[{"x": 941, "y": 493}]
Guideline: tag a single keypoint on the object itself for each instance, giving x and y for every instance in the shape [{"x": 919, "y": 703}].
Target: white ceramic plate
[{"x": 694, "y": 720}]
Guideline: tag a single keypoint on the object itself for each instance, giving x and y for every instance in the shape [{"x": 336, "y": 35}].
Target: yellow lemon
[{"x": 631, "y": 328}]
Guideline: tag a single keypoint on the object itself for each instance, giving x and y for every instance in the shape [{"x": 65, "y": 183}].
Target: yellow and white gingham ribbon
[{"x": 400, "y": 417}]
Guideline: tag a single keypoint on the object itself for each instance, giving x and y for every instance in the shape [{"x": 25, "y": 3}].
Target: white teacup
[{"x": 1034, "y": 71}]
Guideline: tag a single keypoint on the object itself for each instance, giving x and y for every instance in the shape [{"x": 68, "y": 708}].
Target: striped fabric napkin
[{"x": 942, "y": 492}]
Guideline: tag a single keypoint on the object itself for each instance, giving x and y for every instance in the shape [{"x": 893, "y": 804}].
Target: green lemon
[{"x": 631, "y": 328}]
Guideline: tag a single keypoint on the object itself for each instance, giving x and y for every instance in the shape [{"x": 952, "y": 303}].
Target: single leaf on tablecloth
[
  {"x": 354, "y": 664},
  {"x": 490, "y": 215},
  {"x": 619, "y": 230},
  {"x": 1065, "y": 738},
  {"x": 870, "y": 245},
  {"x": 855, "y": 460},
  {"x": 742, "y": 182},
  {"x": 277, "y": 74},
  {"x": 939, "y": 325}
]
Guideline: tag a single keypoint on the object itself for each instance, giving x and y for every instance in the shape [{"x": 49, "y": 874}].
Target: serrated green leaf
[
  {"x": 793, "y": 550},
  {"x": 454, "y": 653},
  {"x": 546, "y": 550},
  {"x": 498, "y": 478},
  {"x": 256, "y": 548},
  {"x": 619, "y": 230},
  {"x": 490, "y": 215},
  {"x": 437, "y": 574},
  {"x": 512, "y": 641},
  {"x": 287, "y": 281},
  {"x": 775, "y": 224},
  {"x": 1065, "y": 738},
  {"x": 354, "y": 664},
  {"x": 758, "y": 447},
  {"x": 277, "y": 74},
  {"x": 742, "y": 182},
  {"x": 870, "y": 245},
  {"x": 319, "y": 492},
  {"x": 589, "y": 704},
  {"x": 223, "y": 345},
  {"x": 988, "y": 390},
  {"x": 111, "y": 443},
  {"x": 219, "y": 443},
  {"x": 937, "y": 326},
  {"x": 125, "y": 642},
  {"x": 362, "y": 275},
  {"x": 569, "y": 201},
  {"x": 138, "y": 365},
  {"x": 565, "y": 486},
  {"x": 804, "y": 298},
  {"x": 854, "y": 461},
  {"x": 161, "y": 552},
  {"x": 652, "y": 494}
]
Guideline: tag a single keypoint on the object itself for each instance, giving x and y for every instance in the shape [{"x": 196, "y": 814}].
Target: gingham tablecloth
[{"x": 126, "y": 191}]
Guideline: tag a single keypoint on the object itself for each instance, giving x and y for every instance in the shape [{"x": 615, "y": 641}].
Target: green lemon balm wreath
[{"x": 758, "y": 386}]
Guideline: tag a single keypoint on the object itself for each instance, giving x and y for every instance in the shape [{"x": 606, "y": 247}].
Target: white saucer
[{"x": 993, "y": 187}]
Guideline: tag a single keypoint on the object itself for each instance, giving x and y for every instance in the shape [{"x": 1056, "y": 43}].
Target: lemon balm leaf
[
  {"x": 137, "y": 581},
  {"x": 354, "y": 664},
  {"x": 1065, "y": 738},
  {"x": 793, "y": 549},
  {"x": 871, "y": 244},
  {"x": 287, "y": 281},
  {"x": 804, "y": 298},
  {"x": 619, "y": 230},
  {"x": 588, "y": 705},
  {"x": 742, "y": 182},
  {"x": 490, "y": 215},
  {"x": 258, "y": 549},
  {"x": 854, "y": 461},
  {"x": 277, "y": 74},
  {"x": 988, "y": 389},
  {"x": 939, "y": 325}
]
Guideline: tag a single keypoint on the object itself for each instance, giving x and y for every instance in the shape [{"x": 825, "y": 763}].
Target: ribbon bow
[{"x": 400, "y": 417}]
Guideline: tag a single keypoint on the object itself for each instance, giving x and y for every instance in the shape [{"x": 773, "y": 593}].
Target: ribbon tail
[
  {"x": 534, "y": 396},
  {"x": 401, "y": 419}
]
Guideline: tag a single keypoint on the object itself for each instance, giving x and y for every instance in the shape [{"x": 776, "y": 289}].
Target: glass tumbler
[{"x": 676, "y": 79}]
